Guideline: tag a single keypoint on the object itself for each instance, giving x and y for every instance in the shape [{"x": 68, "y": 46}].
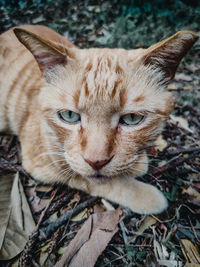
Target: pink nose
[{"x": 96, "y": 165}]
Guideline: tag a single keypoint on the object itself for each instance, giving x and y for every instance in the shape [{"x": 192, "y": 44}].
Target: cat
[{"x": 86, "y": 117}]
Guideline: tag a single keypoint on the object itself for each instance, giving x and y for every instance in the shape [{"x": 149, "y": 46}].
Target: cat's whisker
[
  {"x": 147, "y": 163},
  {"x": 50, "y": 153},
  {"x": 56, "y": 161},
  {"x": 64, "y": 172}
]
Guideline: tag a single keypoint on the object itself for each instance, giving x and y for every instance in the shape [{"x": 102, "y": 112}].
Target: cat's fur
[{"x": 101, "y": 85}]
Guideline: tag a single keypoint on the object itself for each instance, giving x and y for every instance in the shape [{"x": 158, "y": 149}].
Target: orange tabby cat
[{"x": 85, "y": 117}]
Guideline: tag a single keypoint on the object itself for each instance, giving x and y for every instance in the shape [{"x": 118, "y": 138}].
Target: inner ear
[
  {"x": 46, "y": 53},
  {"x": 167, "y": 54}
]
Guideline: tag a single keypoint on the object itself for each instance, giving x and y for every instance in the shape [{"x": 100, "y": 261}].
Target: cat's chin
[{"x": 98, "y": 178}]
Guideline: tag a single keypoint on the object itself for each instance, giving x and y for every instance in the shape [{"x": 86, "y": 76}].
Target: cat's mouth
[{"x": 98, "y": 177}]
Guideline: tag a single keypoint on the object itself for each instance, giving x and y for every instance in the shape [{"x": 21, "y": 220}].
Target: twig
[
  {"x": 183, "y": 151},
  {"x": 46, "y": 232},
  {"x": 59, "y": 203},
  {"x": 177, "y": 160},
  {"x": 193, "y": 229},
  {"x": 6, "y": 166},
  {"x": 26, "y": 256}
]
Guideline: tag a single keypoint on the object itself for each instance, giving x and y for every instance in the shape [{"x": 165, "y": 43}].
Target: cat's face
[{"x": 103, "y": 107}]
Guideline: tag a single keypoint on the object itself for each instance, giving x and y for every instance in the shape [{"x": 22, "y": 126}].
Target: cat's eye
[
  {"x": 131, "y": 119},
  {"x": 69, "y": 116}
]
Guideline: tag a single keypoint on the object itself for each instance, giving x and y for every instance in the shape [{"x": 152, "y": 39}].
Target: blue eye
[
  {"x": 131, "y": 119},
  {"x": 69, "y": 116}
]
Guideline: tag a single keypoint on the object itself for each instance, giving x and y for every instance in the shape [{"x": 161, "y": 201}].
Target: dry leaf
[
  {"x": 82, "y": 215},
  {"x": 192, "y": 192},
  {"x": 182, "y": 123},
  {"x": 191, "y": 265},
  {"x": 163, "y": 257},
  {"x": 44, "y": 254},
  {"x": 148, "y": 221},
  {"x": 192, "y": 67},
  {"x": 190, "y": 252},
  {"x": 160, "y": 143},
  {"x": 20, "y": 223},
  {"x": 38, "y": 204},
  {"x": 172, "y": 86},
  {"x": 6, "y": 182},
  {"x": 183, "y": 77},
  {"x": 98, "y": 208},
  {"x": 91, "y": 239},
  {"x": 44, "y": 188},
  {"x": 188, "y": 87},
  {"x": 107, "y": 204}
]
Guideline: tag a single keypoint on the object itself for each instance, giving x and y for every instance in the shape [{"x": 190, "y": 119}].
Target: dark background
[{"x": 117, "y": 23}]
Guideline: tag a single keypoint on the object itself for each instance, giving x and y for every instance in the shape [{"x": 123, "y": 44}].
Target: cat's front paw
[
  {"x": 156, "y": 202},
  {"x": 146, "y": 199}
]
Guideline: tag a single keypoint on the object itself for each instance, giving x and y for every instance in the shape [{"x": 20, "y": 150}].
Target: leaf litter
[
  {"x": 19, "y": 223},
  {"x": 169, "y": 239}
]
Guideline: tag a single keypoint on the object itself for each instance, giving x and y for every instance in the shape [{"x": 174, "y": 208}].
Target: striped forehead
[{"x": 101, "y": 81}]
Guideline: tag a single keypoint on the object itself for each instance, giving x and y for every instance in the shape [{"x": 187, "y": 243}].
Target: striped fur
[{"x": 42, "y": 73}]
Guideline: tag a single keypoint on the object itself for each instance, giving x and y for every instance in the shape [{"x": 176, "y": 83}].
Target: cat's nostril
[{"x": 96, "y": 165}]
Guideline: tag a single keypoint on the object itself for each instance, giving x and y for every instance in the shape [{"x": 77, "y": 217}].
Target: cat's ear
[
  {"x": 46, "y": 53},
  {"x": 167, "y": 54}
]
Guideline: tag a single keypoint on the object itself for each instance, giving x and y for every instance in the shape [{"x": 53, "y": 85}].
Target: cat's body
[{"x": 104, "y": 149}]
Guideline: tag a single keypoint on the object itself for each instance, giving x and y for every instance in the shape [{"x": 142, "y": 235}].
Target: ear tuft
[
  {"x": 168, "y": 53},
  {"x": 45, "y": 52}
]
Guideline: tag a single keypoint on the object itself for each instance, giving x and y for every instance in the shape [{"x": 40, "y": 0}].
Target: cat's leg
[{"x": 138, "y": 196}]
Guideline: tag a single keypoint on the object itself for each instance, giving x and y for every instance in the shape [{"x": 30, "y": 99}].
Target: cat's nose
[{"x": 96, "y": 165}]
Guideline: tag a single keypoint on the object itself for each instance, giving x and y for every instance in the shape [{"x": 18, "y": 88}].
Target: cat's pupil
[
  {"x": 70, "y": 114},
  {"x": 132, "y": 117}
]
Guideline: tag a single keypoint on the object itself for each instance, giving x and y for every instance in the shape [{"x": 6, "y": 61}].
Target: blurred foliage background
[{"x": 116, "y": 23}]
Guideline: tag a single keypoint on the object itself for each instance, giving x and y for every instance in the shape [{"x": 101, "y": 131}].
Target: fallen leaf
[
  {"x": 148, "y": 221},
  {"x": 188, "y": 264},
  {"x": 44, "y": 188},
  {"x": 195, "y": 194},
  {"x": 98, "y": 208},
  {"x": 190, "y": 252},
  {"x": 172, "y": 86},
  {"x": 160, "y": 143},
  {"x": 20, "y": 223},
  {"x": 74, "y": 199},
  {"x": 192, "y": 67},
  {"x": 91, "y": 239},
  {"x": 182, "y": 123},
  {"x": 61, "y": 250},
  {"x": 80, "y": 216},
  {"x": 183, "y": 77},
  {"x": 188, "y": 87},
  {"x": 107, "y": 204},
  {"x": 6, "y": 182},
  {"x": 163, "y": 257},
  {"x": 38, "y": 204},
  {"x": 44, "y": 254}
]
